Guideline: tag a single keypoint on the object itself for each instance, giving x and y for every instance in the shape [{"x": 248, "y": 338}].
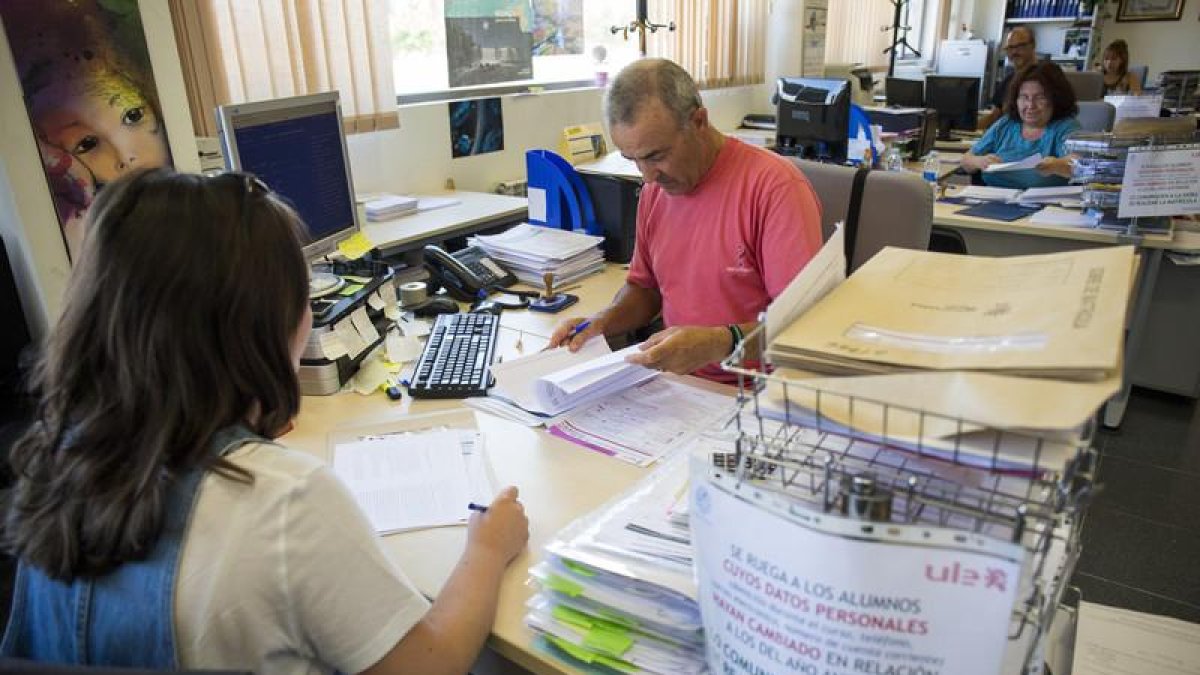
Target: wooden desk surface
[
  {"x": 559, "y": 481},
  {"x": 475, "y": 211}
]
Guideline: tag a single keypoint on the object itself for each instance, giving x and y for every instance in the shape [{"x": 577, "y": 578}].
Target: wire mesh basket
[{"x": 893, "y": 485}]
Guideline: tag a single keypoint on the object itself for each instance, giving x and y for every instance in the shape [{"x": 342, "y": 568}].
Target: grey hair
[{"x": 650, "y": 78}]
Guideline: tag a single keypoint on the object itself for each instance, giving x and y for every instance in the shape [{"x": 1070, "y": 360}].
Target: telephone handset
[{"x": 464, "y": 273}]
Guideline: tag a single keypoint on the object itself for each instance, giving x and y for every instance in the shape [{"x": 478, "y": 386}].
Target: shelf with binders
[
  {"x": 1082, "y": 19},
  {"x": 1022, "y": 11},
  {"x": 874, "y": 469}
]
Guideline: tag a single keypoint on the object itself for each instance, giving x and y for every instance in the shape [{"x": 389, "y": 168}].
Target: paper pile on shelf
[
  {"x": 955, "y": 357},
  {"x": 388, "y": 207},
  {"x": 531, "y": 251},
  {"x": 616, "y": 587},
  {"x": 915, "y": 310}
]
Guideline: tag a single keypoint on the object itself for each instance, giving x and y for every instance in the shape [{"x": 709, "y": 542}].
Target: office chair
[
  {"x": 1088, "y": 84},
  {"x": 1096, "y": 115},
  {"x": 896, "y": 207}
]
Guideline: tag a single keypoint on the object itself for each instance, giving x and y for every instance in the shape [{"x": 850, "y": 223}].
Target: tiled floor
[{"x": 1141, "y": 539}]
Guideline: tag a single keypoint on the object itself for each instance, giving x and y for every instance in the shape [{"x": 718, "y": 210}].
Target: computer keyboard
[{"x": 457, "y": 359}]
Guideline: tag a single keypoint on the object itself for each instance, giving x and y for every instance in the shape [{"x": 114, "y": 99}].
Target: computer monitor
[
  {"x": 956, "y": 99},
  {"x": 296, "y": 146},
  {"x": 813, "y": 118},
  {"x": 905, "y": 93}
]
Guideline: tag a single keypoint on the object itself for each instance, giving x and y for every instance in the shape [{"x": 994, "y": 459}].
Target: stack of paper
[
  {"x": 1070, "y": 195},
  {"x": 956, "y": 357},
  {"x": 616, "y": 588},
  {"x": 531, "y": 251},
  {"x": 1029, "y": 162},
  {"x": 388, "y": 207},
  {"x": 595, "y": 399},
  {"x": 554, "y": 381},
  {"x": 915, "y": 310}
]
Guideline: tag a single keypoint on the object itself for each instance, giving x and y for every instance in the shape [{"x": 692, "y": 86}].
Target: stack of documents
[
  {"x": 1060, "y": 315},
  {"x": 595, "y": 399},
  {"x": 955, "y": 357},
  {"x": 1066, "y": 195},
  {"x": 551, "y": 382},
  {"x": 616, "y": 588},
  {"x": 388, "y": 207},
  {"x": 531, "y": 251}
]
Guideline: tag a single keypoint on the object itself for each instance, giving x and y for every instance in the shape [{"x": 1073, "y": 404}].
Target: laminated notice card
[
  {"x": 783, "y": 592},
  {"x": 1161, "y": 181}
]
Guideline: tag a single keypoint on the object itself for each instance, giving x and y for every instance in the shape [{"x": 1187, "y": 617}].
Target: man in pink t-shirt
[{"x": 722, "y": 226}]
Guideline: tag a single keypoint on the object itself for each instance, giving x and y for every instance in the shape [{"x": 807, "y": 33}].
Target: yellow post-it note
[
  {"x": 355, "y": 247},
  {"x": 350, "y": 289}
]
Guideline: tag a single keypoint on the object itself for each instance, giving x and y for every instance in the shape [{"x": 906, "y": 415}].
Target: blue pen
[
  {"x": 579, "y": 328},
  {"x": 477, "y": 507}
]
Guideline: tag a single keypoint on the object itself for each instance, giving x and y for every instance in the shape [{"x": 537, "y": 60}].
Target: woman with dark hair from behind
[
  {"x": 1115, "y": 66},
  {"x": 155, "y": 522},
  {"x": 1039, "y": 113}
]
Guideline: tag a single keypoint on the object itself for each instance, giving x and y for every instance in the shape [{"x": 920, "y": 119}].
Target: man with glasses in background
[{"x": 1021, "y": 49}]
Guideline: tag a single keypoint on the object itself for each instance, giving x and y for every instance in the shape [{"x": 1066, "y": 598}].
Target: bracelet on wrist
[{"x": 736, "y": 336}]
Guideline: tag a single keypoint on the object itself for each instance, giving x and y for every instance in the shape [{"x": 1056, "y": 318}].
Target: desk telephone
[{"x": 464, "y": 273}]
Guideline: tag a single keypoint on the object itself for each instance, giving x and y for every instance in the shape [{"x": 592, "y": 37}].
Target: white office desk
[
  {"x": 559, "y": 481},
  {"x": 475, "y": 211}
]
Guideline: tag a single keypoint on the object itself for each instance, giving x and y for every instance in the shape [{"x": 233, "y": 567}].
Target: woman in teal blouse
[{"x": 1039, "y": 112}]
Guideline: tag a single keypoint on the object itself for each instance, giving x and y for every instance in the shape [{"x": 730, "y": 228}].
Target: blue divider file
[{"x": 557, "y": 195}]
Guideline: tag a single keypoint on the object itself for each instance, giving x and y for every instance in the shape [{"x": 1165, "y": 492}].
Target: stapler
[{"x": 549, "y": 301}]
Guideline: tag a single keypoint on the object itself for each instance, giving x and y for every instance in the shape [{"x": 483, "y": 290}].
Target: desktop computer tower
[{"x": 615, "y": 201}]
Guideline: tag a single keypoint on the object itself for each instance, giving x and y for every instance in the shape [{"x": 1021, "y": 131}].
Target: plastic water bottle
[
  {"x": 893, "y": 161},
  {"x": 932, "y": 167}
]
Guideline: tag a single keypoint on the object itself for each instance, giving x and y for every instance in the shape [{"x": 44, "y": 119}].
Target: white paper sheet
[
  {"x": 1113, "y": 641},
  {"x": 1020, "y": 165},
  {"x": 415, "y": 480}
]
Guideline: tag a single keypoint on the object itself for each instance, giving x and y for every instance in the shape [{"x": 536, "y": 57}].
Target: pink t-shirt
[{"x": 721, "y": 253}]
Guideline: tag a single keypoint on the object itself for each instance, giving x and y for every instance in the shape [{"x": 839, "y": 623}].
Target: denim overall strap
[{"x": 126, "y": 617}]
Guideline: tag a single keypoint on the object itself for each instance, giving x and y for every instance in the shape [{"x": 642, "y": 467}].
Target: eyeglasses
[
  {"x": 1019, "y": 45},
  {"x": 1038, "y": 99}
]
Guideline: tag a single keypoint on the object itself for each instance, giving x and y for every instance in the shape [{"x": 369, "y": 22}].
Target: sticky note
[
  {"x": 356, "y": 246},
  {"x": 349, "y": 338},
  {"x": 362, "y": 323},
  {"x": 350, "y": 289},
  {"x": 375, "y": 302},
  {"x": 331, "y": 345}
]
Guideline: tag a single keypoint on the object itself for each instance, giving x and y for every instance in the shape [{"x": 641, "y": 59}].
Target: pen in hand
[
  {"x": 579, "y": 328},
  {"x": 477, "y": 507}
]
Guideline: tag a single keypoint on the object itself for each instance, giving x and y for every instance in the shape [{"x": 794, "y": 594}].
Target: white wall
[
  {"x": 1161, "y": 45},
  {"x": 416, "y": 157}
]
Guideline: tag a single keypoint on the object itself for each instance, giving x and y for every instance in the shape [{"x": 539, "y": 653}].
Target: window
[
  {"x": 491, "y": 46},
  {"x": 859, "y": 31}
]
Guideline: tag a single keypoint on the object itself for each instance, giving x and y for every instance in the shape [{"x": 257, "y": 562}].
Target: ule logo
[{"x": 960, "y": 575}]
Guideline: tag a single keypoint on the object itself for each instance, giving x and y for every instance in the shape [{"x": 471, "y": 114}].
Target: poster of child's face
[{"x": 89, "y": 90}]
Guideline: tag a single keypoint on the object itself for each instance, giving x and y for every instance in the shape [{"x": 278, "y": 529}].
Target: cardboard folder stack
[
  {"x": 531, "y": 251},
  {"x": 994, "y": 362},
  {"x": 616, "y": 587}
]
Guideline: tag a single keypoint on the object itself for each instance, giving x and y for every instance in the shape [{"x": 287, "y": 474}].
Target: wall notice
[
  {"x": 778, "y": 597},
  {"x": 1161, "y": 181}
]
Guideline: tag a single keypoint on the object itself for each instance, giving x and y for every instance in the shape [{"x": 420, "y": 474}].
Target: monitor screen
[
  {"x": 296, "y": 146},
  {"x": 956, "y": 99},
  {"x": 905, "y": 93},
  {"x": 813, "y": 117}
]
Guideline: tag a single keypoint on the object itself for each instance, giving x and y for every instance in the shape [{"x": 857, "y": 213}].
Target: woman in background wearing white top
[{"x": 155, "y": 522}]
